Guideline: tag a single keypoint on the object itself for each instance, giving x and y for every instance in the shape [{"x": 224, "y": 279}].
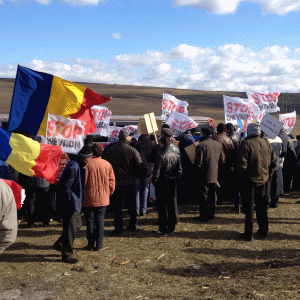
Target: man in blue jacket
[{"x": 70, "y": 189}]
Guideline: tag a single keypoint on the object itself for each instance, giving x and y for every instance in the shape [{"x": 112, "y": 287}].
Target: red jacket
[{"x": 99, "y": 183}]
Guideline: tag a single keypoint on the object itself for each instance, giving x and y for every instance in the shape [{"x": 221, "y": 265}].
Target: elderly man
[
  {"x": 127, "y": 164},
  {"x": 256, "y": 163},
  {"x": 167, "y": 170},
  {"x": 209, "y": 155},
  {"x": 8, "y": 216}
]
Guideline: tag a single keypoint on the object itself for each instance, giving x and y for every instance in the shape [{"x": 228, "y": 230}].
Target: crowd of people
[{"x": 250, "y": 170}]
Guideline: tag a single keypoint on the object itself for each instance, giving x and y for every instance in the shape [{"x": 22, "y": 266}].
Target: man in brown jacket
[
  {"x": 209, "y": 154},
  {"x": 256, "y": 162}
]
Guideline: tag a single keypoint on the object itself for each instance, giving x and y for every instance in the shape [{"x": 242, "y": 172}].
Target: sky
[{"x": 217, "y": 45}]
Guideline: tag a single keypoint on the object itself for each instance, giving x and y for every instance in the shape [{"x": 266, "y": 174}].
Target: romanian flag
[
  {"x": 36, "y": 94},
  {"x": 28, "y": 156}
]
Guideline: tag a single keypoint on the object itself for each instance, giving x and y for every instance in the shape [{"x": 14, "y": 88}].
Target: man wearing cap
[
  {"x": 256, "y": 162},
  {"x": 127, "y": 164},
  {"x": 166, "y": 171},
  {"x": 209, "y": 154},
  {"x": 70, "y": 194}
]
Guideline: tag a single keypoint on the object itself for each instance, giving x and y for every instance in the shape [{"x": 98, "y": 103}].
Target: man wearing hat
[
  {"x": 127, "y": 164},
  {"x": 209, "y": 154},
  {"x": 256, "y": 163},
  {"x": 70, "y": 194},
  {"x": 167, "y": 170}
]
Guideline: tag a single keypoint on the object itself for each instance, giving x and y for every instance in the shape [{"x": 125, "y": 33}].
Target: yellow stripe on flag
[
  {"x": 24, "y": 153},
  {"x": 65, "y": 99}
]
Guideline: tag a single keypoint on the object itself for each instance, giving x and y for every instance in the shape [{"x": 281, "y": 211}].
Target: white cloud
[
  {"x": 227, "y": 68},
  {"x": 280, "y": 7},
  {"x": 117, "y": 36},
  {"x": 82, "y": 2}
]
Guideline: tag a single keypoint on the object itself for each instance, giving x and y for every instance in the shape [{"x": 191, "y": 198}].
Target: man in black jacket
[
  {"x": 167, "y": 169},
  {"x": 127, "y": 164}
]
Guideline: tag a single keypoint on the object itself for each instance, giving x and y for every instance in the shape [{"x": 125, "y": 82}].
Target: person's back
[{"x": 8, "y": 216}]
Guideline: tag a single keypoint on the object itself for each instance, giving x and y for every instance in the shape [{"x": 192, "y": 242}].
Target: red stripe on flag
[
  {"x": 90, "y": 99},
  {"x": 47, "y": 162}
]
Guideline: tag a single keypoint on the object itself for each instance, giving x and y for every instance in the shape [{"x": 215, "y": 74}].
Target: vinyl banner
[
  {"x": 113, "y": 133},
  {"x": 288, "y": 120},
  {"x": 102, "y": 118},
  {"x": 236, "y": 108},
  {"x": 170, "y": 104},
  {"x": 65, "y": 132},
  {"x": 180, "y": 123},
  {"x": 266, "y": 101}
]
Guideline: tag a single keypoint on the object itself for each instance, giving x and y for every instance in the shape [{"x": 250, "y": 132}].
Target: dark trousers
[
  {"x": 207, "y": 201},
  {"x": 38, "y": 205},
  {"x": 255, "y": 196},
  {"x": 166, "y": 205},
  {"x": 95, "y": 225},
  {"x": 122, "y": 192},
  {"x": 272, "y": 187},
  {"x": 71, "y": 227}
]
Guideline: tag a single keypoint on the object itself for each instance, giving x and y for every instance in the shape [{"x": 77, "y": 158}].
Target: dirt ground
[{"x": 199, "y": 261}]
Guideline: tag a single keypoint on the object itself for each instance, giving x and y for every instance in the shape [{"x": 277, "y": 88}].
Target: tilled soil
[{"x": 199, "y": 261}]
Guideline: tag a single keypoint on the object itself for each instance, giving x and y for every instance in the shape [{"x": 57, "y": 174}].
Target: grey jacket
[{"x": 8, "y": 216}]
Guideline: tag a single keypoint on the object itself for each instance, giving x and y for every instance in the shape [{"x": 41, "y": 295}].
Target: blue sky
[{"x": 210, "y": 45}]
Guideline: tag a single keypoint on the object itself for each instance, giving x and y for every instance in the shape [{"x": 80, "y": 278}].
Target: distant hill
[{"x": 138, "y": 100}]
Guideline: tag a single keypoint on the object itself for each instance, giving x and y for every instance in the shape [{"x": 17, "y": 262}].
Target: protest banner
[
  {"x": 65, "y": 132},
  {"x": 170, "y": 104},
  {"x": 270, "y": 126},
  {"x": 180, "y": 123},
  {"x": 267, "y": 102},
  {"x": 132, "y": 129},
  {"x": 288, "y": 120},
  {"x": 113, "y": 133},
  {"x": 102, "y": 118},
  {"x": 236, "y": 108}
]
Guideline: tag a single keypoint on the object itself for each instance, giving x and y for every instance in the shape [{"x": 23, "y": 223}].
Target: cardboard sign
[
  {"x": 102, "y": 118},
  {"x": 180, "y": 123},
  {"x": 191, "y": 151},
  {"x": 170, "y": 104},
  {"x": 267, "y": 102},
  {"x": 270, "y": 126},
  {"x": 64, "y": 132},
  {"x": 150, "y": 122},
  {"x": 142, "y": 128},
  {"x": 288, "y": 120}
]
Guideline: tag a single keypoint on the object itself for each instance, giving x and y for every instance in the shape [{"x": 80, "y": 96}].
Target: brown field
[
  {"x": 138, "y": 100},
  {"x": 200, "y": 261}
]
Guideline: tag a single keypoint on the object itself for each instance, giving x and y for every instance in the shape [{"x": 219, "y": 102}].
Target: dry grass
[{"x": 200, "y": 261}]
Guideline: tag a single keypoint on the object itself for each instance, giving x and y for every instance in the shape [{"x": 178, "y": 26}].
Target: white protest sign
[
  {"x": 102, "y": 118},
  {"x": 270, "y": 126},
  {"x": 64, "y": 132},
  {"x": 288, "y": 120},
  {"x": 132, "y": 129},
  {"x": 238, "y": 108},
  {"x": 267, "y": 101},
  {"x": 170, "y": 104},
  {"x": 113, "y": 133},
  {"x": 180, "y": 123}
]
